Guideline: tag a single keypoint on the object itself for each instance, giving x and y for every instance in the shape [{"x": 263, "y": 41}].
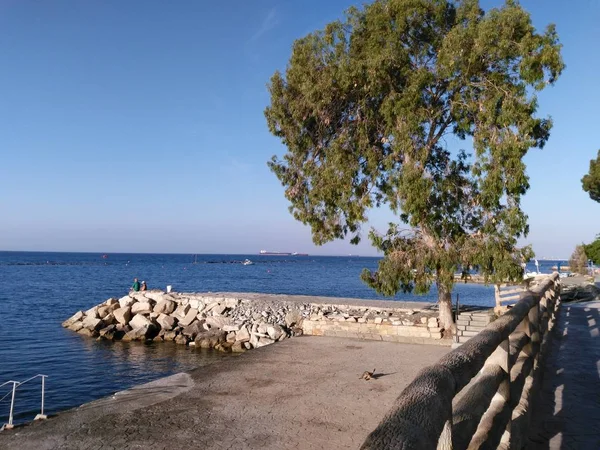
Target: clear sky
[{"x": 137, "y": 126}]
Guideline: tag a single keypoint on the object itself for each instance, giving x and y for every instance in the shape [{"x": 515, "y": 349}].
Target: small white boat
[{"x": 247, "y": 262}]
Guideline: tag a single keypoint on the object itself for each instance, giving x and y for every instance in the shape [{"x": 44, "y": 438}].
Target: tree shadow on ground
[{"x": 567, "y": 411}]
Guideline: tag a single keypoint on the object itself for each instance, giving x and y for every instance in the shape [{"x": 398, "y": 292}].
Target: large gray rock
[
  {"x": 243, "y": 335},
  {"x": 108, "y": 332},
  {"x": 264, "y": 341},
  {"x": 92, "y": 312},
  {"x": 74, "y": 318},
  {"x": 111, "y": 301},
  {"x": 123, "y": 315},
  {"x": 181, "y": 311},
  {"x": 103, "y": 311},
  {"x": 165, "y": 307},
  {"x": 109, "y": 319},
  {"x": 89, "y": 333},
  {"x": 76, "y": 326},
  {"x": 156, "y": 296},
  {"x": 196, "y": 304},
  {"x": 141, "y": 308},
  {"x": 193, "y": 329},
  {"x": 231, "y": 302},
  {"x": 189, "y": 317},
  {"x": 166, "y": 322},
  {"x": 253, "y": 340},
  {"x": 126, "y": 301},
  {"x": 275, "y": 332},
  {"x": 137, "y": 334},
  {"x": 234, "y": 327},
  {"x": 293, "y": 317},
  {"x": 92, "y": 323},
  {"x": 218, "y": 310},
  {"x": 139, "y": 321},
  {"x": 219, "y": 322},
  {"x": 210, "y": 339}
]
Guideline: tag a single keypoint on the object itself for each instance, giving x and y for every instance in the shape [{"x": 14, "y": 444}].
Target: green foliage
[
  {"x": 365, "y": 109},
  {"x": 591, "y": 181},
  {"x": 578, "y": 260},
  {"x": 592, "y": 250}
]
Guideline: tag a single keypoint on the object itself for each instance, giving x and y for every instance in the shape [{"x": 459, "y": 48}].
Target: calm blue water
[{"x": 40, "y": 290}]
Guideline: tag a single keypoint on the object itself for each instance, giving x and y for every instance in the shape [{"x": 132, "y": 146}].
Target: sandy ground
[{"x": 303, "y": 393}]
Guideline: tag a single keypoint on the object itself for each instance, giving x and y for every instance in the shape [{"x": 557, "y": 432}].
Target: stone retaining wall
[{"x": 234, "y": 323}]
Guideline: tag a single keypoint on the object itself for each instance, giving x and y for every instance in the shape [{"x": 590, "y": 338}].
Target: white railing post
[
  {"x": 10, "y": 425},
  {"x": 41, "y": 415}
]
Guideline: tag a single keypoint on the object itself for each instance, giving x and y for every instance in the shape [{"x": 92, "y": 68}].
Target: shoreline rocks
[{"x": 234, "y": 324}]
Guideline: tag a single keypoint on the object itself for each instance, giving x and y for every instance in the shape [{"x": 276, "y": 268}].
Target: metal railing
[{"x": 12, "y": 393}]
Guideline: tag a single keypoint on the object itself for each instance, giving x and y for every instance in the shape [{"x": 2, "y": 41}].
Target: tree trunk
[{"x": 446, "y": 315}]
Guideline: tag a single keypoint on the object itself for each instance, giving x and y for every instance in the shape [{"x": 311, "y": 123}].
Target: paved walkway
[
  {"x": 302, "y": 393},
  {"x": 569, "y": 415}
]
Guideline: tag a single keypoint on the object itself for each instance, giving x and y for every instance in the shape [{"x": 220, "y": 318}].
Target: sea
[{"x": 38, "y": 291}]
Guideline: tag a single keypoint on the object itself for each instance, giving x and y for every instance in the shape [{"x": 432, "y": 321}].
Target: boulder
[
  {"x": 293, "y": 317},
  {"x": 253, "y": 340},
  {"x": 157, "y": 296},
  {"x": 209, "y": 339},
  {"x": 193, "y": 329},
  {"x": 170, "y": 335},
  {"x": 111, "y": 301},
  {"x": 229, "y": 328},
  {"x": 165, "y": 307},
  {"x": 166, "y": 322},
  {"x": 123, "y": 315},
  {"x": 108, "y": 332},
  {"x": 218, "y": 310},
  {"x": 189, "y": 317},
  {"x": 92, "y": 323},
  {"x": 181, "y": 311},
  {"x": 219, "y": 322},
  {"x": 264, "y": 341},
  {"x": 230, "y": 337},
  {"x": 238, "y": 347},
  {"x": 92, "y": 312},
  {"x": 231, "y": 302},
  {"x": 89, "y": 333},
  {"x": 137, "y": 334},
  {"x": 224, "y": 347},
  {"x": 103, "y": 311},
  {"x": 196, "y": 304},
  {"x": 262, "y": 328},
  {"x": 141, "y": 308},
  {"x": 243, "y": 335},
  {"x": 126, "y": 301},
  {"x": 74, "y": 318},
  {"x": 275, "y": 332},
  {"x": 109, "y": 319},
  {"x": 181, "y": 339},
  {"x": 139, "y": 321},
  {"x": 76, "y": 326}
]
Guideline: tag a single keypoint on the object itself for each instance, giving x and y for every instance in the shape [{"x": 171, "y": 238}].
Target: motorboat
[{"x": 247, "y": 262}]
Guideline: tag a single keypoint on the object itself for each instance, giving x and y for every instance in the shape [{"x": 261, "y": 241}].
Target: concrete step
[
  {"x": 468, "y": 333},
  {"x": 472, "y": 323},
  {"x": 486, "y": 319}
]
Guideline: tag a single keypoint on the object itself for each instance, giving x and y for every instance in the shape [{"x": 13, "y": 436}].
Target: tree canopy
[
  {"x": 591, "y": 181},
  {"x": 381, "y": 107}
]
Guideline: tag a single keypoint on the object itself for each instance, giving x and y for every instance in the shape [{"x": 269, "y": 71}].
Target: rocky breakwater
[{"x": 201, "y": 320}]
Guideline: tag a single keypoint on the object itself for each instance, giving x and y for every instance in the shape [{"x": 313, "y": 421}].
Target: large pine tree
[{"x": 366, "y": 109}]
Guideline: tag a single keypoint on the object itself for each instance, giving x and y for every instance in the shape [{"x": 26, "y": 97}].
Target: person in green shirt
[{"x": 136, "y": 285}]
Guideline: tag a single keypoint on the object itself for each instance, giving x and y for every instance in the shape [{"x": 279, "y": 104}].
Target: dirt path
[{"x": 303, "y": 393}]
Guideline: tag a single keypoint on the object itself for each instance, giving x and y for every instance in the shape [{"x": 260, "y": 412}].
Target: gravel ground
[{"x": 303, "y": 393}]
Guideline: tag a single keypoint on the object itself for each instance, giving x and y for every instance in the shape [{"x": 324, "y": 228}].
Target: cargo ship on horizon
[{"x": 268, "y": 253}]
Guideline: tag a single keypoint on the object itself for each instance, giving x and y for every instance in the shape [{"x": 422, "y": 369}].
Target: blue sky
[{"x": 133, "y": 126}]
